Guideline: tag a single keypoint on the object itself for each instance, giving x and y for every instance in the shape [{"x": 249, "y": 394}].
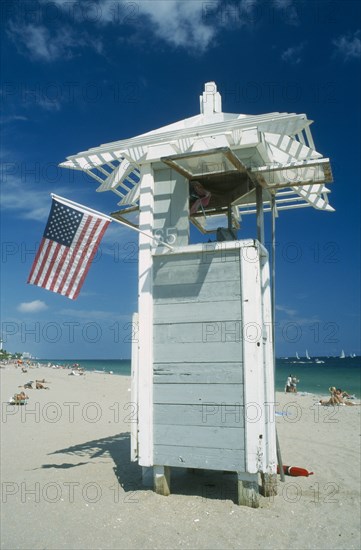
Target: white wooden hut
[{"x": 203, "y": 366}]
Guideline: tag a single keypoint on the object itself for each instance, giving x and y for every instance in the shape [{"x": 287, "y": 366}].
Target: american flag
[{"x": 69, "y": 244}]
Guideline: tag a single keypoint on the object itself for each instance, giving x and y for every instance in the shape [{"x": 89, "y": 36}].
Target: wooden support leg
[
  {"x": 248, "y": 492},
  {"x": 162, "y": 480},
  {"x": 269, "y": 485}
]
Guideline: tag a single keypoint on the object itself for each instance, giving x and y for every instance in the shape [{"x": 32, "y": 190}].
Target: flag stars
[{"x": 63, "y": 224}]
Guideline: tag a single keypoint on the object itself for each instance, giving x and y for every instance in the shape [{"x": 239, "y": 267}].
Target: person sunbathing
[
  {"x": 18, "y": 397},
  {"x": 40, "y": 386},
  {"x": 336, "y": 398},
  {"x": 343, "y": 393}
]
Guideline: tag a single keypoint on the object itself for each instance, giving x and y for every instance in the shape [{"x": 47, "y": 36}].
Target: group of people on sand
[
  {"x": 338, "y": 397},
  {"x": 291, "y": 384},
  {"x": 39, "y": 385},
  {"x": 20, "y": 398}
]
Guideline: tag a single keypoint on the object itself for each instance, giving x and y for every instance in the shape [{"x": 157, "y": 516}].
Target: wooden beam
[
  {"x": 313, "y": 163},
  {"x": 134, "y": 390},
  {"x": 248, "y": 491},
  {"x": 162, "y": 480},
  {"x": 145, "y": 334},
  {"x": 260, "y": 215},
  {"x": 269, "y": 485}
]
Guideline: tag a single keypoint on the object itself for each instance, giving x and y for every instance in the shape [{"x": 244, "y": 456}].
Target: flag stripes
[{"x": 60, "y": 267}]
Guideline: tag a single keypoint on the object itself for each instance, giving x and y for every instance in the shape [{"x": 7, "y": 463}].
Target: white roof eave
[
  {"x": 273, "y": 143},
  {"x": 200, "y": 125}
]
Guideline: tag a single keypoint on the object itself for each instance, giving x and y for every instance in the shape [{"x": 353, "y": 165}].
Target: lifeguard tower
[{"x": 203, "y": 366}]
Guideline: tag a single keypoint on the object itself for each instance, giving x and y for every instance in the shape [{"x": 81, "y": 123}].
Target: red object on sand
[{"x": 295, "y": 471}]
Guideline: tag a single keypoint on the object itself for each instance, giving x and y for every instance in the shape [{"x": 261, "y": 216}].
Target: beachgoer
[
  {"x": 40, "y": 386},
  {"x": 18, "y": 397},
  {"x": 294, "y": 382},
  {"x": 336, "y": 398},
  {"x": 288, "y": 387},
  {"x": 199, "y": 196},
  {"x": 343, "y": 392}
]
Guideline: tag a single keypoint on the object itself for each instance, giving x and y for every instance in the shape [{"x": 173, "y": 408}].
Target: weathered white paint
[
  {"x": 198, "y": 415},
  {"x": 207, "y": 458},
  {"x": 134, "y": 390},
  {"x": 198, "y": 373},
  {"x": 145, "y": 306},
  {"x": 202, "y": 394},
  {"x": 181, "y": 311},
  {"x": 269, "y": 462},
  {"x": 253, "y": 358},
  {"x": 171, "y": 197}
]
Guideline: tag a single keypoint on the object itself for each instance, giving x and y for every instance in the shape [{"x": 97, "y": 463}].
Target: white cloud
[
  {"x": 38, "y": 43},
  {"x": 189, "y": 25},
  {"x": 286, "y": 310},
  {"x": 294, "y": 317},
  {"x": 180, "y": 23},
  {"x": 293, "y": 54},
  {"x": 32, "y": 307},
  {"x": 6, "y": 119},
  {"x": 184, "y": 24},
  {"x": 289, "y": 10},
  {"x": 18, "y": 194},
  {"x": 349, "y": 45},
  {"x": 36, "y": 39},
  {"x": 48, "y": 104}
]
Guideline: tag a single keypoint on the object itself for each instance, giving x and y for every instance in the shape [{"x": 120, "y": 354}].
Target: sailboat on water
[
  {"x": 307, "y": 356},
  {"x": 342, "y": 356},
  {"x": 297, "y": 356}
]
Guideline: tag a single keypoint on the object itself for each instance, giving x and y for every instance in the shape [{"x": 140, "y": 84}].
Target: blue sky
[{"x": 78, "y": 74}]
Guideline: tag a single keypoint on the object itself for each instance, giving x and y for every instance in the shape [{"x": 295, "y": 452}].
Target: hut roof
[{"x": 275, "y": 150}]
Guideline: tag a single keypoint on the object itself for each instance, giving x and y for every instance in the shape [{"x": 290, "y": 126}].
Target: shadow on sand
[
  {"x": 117, "y": 447},
  {"x": 208, "y": 484}
]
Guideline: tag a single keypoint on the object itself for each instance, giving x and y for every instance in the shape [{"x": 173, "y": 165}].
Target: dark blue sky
[{"x": 78, "y": 74}]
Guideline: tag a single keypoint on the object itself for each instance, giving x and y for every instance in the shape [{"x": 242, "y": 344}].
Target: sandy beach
[{"x": 67, "y": 479}]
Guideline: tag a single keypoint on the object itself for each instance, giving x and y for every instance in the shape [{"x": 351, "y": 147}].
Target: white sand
[{"x": 67, "y": 479}]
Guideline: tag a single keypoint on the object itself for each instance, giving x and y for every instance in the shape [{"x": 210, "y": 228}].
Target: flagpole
[
  {"x": 143, "y": 233},
  {"x": 70, "y": 203}
]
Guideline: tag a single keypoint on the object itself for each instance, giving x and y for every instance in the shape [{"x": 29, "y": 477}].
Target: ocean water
[
  {"x": 313, "y": 377},
  {"x": 318, "y": 377},
  {"x": 116, "y": 366}
]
